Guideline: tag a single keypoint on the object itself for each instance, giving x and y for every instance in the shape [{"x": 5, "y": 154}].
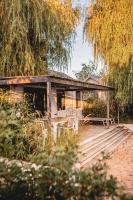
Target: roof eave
[{"x": 22, "y": 80}]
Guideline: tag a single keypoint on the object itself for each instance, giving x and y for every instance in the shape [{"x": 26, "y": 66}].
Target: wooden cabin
[{"x": 59, "y": 95}]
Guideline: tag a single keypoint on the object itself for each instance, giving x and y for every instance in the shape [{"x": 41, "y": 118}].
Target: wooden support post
[
  {"x": 118, "y": 115},
  {"x": 81, "y": 98},
  {"x": 49, "y": 98},
  {"x": 108, "y": 109}
]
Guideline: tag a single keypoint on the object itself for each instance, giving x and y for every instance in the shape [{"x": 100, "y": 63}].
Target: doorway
[
  {"x": 60, "y": 100},
  {"x": 37, "y": 98}
]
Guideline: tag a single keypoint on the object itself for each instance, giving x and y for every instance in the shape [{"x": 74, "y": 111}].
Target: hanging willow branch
[
  {"x": 35, "y": 34},
  {"x": 109, "y": 27}
]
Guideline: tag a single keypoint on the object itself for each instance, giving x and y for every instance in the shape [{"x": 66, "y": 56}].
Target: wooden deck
[
  {"x": 129, "y": 126},
  {"x": 99, "y": 140},
  {"x": 87, "y": 131}
]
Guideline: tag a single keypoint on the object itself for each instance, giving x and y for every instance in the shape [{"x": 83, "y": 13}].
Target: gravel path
[{"x": 121, "y": 164}]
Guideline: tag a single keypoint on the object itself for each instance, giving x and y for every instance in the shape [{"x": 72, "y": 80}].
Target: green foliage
[
  {"x": 21, "y": 134},
  {"x": 95, "y": 107},
  {"x": 34, "y": 35},
  {"x": 122, "y": 79},
  {"x": 57, "y": 180},
  {"x": 86, "y": 71},
  {"x": 22, "y": 137},
  {"x": 13, "y": 142},
  {"x": 14, "y": 121},
  {"x": 66, "y": 137},
  {"x": 109, "y": 28},
  {"x": 52, "y": 173}
]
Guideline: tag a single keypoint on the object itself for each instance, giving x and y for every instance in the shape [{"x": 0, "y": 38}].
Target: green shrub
[
  {"x": 98, "y": 108},
  {"x": 57, "y": 180},
  {"x": 13, "y": 141},
  {"x": 14, "y": 121},
  {"x": 21, "y": 134},
  {"x": 66, "y": 137},
  {"x": 95, "y": 107}
]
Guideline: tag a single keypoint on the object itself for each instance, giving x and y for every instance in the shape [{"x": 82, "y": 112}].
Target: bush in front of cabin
[
  {"x": 57, "y": 180},
  {"x": 22, "y": 134}
]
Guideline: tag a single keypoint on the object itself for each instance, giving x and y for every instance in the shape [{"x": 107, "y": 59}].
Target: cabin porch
[{"x": 60, "y": 98}]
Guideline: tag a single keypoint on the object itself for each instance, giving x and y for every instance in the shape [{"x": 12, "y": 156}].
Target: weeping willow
[
  {"x": 109, "y": 27},
  {"x": 35, "y": 34}
]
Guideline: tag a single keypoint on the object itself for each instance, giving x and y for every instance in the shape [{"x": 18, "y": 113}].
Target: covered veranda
[
  {"x": 47, "y": 83},
  {"x": 44, "y": 87}
]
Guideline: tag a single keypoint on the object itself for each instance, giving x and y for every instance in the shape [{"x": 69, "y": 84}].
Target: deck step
[
  {"x": 85, "y": 143},
  {"x": 101, "y": 148},
  {"x": 107, "y": 141},
  {"x": 99, "y": 140}
]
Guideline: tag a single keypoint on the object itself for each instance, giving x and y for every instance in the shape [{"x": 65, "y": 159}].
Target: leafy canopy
[
  {"x": 109, "y": 27},
  {"x": 35, "y": 34}
]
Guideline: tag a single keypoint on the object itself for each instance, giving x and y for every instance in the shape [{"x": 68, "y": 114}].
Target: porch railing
[{"x": 70, "y": 112}]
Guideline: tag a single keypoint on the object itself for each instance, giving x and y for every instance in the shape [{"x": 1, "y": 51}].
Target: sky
[{"x": 82, "y": 51}]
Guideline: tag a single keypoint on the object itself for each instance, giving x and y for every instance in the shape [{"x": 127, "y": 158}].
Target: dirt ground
[
  {"x": 121, "y": 164},
  {"x": 121, "y": 160}
]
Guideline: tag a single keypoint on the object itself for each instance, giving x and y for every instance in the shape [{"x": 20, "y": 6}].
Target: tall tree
[
  {"x": 35, "y": 34},
  {"x": 86, "y": 71},
  {"x": 109, "y": 27}
]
